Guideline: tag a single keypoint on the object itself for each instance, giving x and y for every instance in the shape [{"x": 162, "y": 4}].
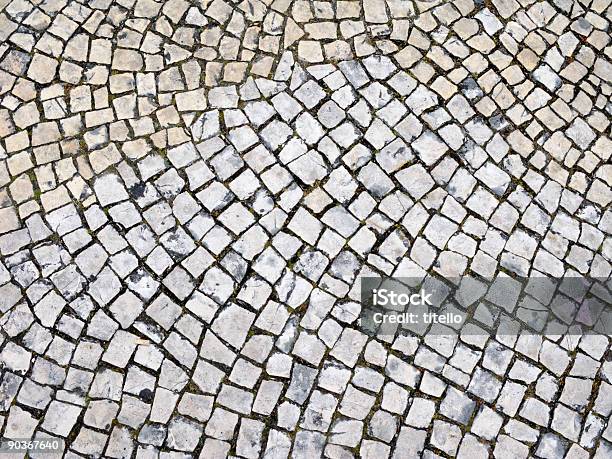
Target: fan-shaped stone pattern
[{"x": 190, "y": 192}]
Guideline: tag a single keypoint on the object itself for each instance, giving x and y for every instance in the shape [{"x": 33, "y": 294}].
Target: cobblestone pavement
[{"x": 192, "y": 189}]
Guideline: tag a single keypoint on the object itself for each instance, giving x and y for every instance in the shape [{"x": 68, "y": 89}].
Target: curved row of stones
[{"x": 192, "y": 190}]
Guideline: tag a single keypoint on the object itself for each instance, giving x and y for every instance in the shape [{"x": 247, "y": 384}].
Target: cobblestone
[{"x": 190, "y": 193}]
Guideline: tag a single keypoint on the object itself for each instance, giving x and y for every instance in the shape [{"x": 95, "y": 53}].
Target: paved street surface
[{"x": 191, "y": 190}]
